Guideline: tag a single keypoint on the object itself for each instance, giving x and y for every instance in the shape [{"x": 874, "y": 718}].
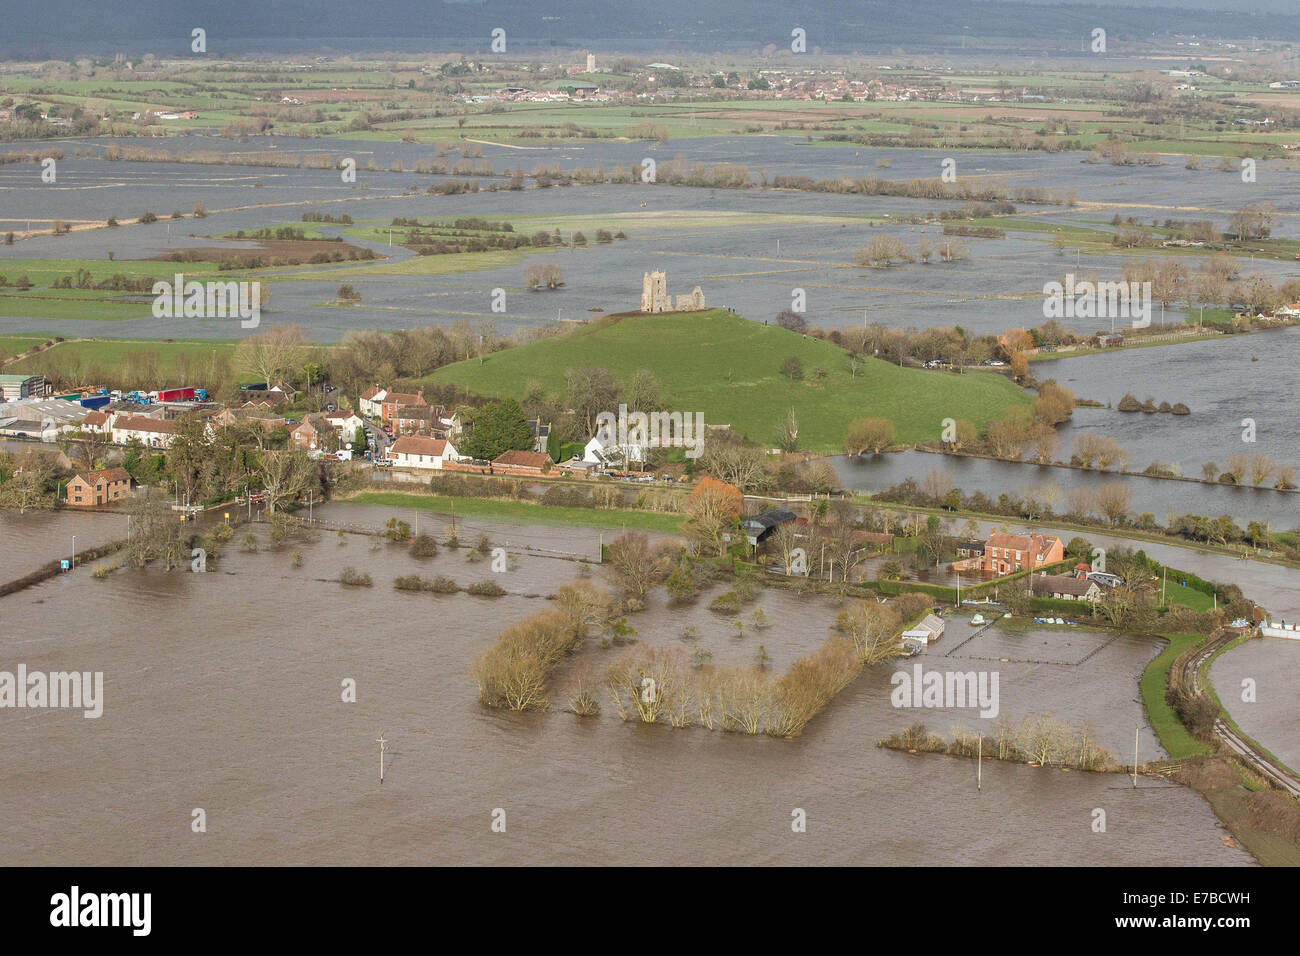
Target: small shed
[{"x": 759, "y": 527}]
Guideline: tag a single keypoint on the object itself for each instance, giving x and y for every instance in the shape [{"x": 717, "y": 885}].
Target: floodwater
[
  {"x": 28, "y": 541},
  {"x": 222, "y": 692},
  {"x": 874, "y": 473},
  {"x": 1272, "y": 718},
  {"x": 751, "y": 265}
]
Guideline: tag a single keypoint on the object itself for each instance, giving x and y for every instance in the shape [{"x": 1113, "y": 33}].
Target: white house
[
  {"x": 420, "y": 451},
  {"x": 371, "y": 401},
  {"x": 100, "y": 422},
  {"x": 345, "y": 422},
  {"x": 603, "y": 449},
  {"x": 150, "y": 432}
]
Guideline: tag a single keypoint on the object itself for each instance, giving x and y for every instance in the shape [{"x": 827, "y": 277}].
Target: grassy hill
[{"x": 730, "y": 369}]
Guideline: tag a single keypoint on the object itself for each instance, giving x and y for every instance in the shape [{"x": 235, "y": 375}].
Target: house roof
[
  {"x": 1020, "y": 542},
  {"x": 1016, "y": 542},
  {"x": 139, "y": 423},
  {"x": 769, "y": 519},
  {"x": 932, "y": 623},
  {"x": 404, "y": 398},
  {"x": 107, "y": 474},
  {"x": 374, "y": 391},
  {"x": 1062, "y": 584},
  {"x": 525, "y": 459},
  {"x": 95, "y": 418},
  {"x": 419, "y": 445}
]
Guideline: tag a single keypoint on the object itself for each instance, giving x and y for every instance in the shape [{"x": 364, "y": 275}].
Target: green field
[
  {"x": 730, "y": 369},
  {"x": 522, "y": 512},
  {"x": 11, "y": 345},
  {"x": 87, "y": 354}
]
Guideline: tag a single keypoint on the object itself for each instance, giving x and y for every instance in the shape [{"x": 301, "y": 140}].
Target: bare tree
[{"x": 269, "y": 356}]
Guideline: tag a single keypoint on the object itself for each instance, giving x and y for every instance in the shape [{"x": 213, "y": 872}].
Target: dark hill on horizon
[{"x": 62, "y": 29}]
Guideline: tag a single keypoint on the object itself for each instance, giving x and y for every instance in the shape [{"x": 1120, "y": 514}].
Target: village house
[
  {"x": 605, "y": 451},
  {"x": 393, "y": 402},
  {"x": 1065, "y": 587},
  {"x": 259, "y": 395},
  {"x": 99, "y": 422},
  {"x": 370, "y": 401},
  {"x": 418, "y": 451},
  {"x": 522, "y": 463},
  {"x": 418, "y": 420},
  {"x": 150, "y": 432},
  {"x": 345, "y": 423},
  {"x": 313, "y": 433},
  {"x": 90, "y": 488},
  {"x": 1006, "y": 553},
  {"x": 229, "y": 416},
  {"x": 266, "y": 401}
]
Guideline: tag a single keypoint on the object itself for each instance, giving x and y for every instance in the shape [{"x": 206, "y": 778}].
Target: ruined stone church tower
[{"x": 654, "y": 292}]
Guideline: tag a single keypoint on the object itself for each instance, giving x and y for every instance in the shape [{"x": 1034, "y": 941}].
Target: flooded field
[
  {"x": 873, "y": 473},
  {"x": 747, "y": 248},
  {"x": 1273, "y": 718},
  {"x": 222, "y": 691}
]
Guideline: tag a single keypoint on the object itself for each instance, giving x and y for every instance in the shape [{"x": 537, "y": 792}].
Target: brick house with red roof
[{"x": 90, "y": 488}]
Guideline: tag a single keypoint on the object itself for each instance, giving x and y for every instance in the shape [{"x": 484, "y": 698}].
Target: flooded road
[{"x": 222, "y": 692}]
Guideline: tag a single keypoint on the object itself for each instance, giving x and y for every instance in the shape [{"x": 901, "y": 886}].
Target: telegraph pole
[
  {"x": 1135, "y": 758},
  {"x": 979, "y": 766},
  {"x": 383, "y": 747}
]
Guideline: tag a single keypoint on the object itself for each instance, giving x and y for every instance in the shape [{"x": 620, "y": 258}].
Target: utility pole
[
  {"x": 979, "y": 766},
  {"x": 1135, "y": 758},
  {"x": 74, "y": 552},
  {"x": 383, "y": 747}
]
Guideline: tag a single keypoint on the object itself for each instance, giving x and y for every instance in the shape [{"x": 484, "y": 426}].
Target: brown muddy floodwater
[
  {"x": 1273, "y": 718},
  {"x": 30, "y": 540},
  {"x": 222, "y": 691}
]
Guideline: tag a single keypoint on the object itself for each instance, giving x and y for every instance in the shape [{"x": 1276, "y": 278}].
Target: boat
[{"x": 977, "y": 620}]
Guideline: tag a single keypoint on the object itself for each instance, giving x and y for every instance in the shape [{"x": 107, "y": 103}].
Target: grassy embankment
[{"x": 729, "y": 368}]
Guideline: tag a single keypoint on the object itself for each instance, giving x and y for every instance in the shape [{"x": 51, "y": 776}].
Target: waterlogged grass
[
  {"x": 523, "y": 512},
  {"x": 44, "y": 272},
  {"x": 415, "y": 266},
  {"x": 1174, "y": 737},
  {"x": 729, "y": 368},
  {"x": 67, "y": 304}
]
